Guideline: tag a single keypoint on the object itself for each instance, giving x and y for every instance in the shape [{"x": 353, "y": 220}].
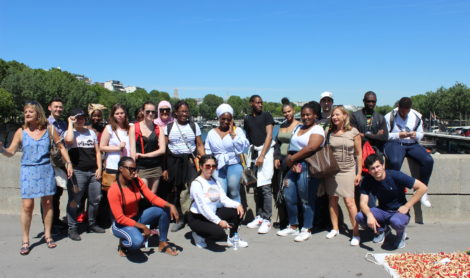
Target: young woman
[
  {"x": 147, "y": 142},
  {"x": 130, "y": 223},
  {"x": 115, "y": 139},
  {"x": 300, "y": 187},
  {"x": 212, "y": 211},
  {"x": 95, "y": 111},
  {"x": 36, "y": 172},
  {"x": 280, "y": 153},
  {"x": 227, "y": 143},
  {"x": 86, "y": 160},
  {"x": 346, "y": 144},
  {"x": 184, "y": 143},
  {"x": 164, "y": 114}
]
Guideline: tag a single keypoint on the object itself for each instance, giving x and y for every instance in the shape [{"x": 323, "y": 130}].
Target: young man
[
  {"x": 326, "y": 103},
  {"x": 371, "y": 124},
  {"x": 405, "y": 131},
  {"x": 259, "y": 131},
  {"x": 56, "y": 108},
  {"x": 393, "y": 209}
]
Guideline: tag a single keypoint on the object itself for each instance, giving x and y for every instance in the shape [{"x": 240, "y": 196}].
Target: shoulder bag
[{"x": 323, "y": 163}]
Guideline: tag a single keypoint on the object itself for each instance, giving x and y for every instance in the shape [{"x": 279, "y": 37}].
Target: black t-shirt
[
  {"x": 391, "y": 191},
  {"x": 83, "y": 153},
  {"x": 255, "y": 127}
]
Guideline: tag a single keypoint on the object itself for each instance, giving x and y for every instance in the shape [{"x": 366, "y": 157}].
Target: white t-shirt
[
  {"x": 299, "y": 142},
  {"x": 112, "y": 158},
  {"x": 82, "y": 152},
  {"x": 176, "y": 139}
]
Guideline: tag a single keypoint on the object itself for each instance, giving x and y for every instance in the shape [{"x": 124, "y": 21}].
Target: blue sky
[{"x": 273, "y": 48}]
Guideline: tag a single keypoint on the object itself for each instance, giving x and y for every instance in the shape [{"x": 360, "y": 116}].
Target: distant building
[
  {"x": 114, "y": 85},
  {"x": 130, "y": 89},
  {"x": 83, "y": 78},
  {"x": 176, "y": 94},
  {"x": 299, "y": 103}
]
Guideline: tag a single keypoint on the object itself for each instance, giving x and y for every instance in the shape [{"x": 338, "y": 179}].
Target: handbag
[
  {"x": 56, "y": 156},
  {"x": 323, "y": 163},
  {"x": 248, "y": 174},
  {"x": 107, "y": 179}
]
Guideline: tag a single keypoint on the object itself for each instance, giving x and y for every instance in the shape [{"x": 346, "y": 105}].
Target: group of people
[{"x": 158, "y": 170}]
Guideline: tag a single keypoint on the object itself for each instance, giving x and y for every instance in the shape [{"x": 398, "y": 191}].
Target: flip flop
[
  {"x": 122, "y": 251},
  {"x": 25, "y": 249},
  {"x": 169, "y": 250},
  {"x": 50, "y": 243}
]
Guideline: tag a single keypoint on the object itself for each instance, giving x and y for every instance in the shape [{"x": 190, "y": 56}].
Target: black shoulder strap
[
  {"x": 168, "y": 128},
  {"x": 418, "y": 122},
  {"x": 393, "y": 115},
  {"x": 193, "y": 127}
]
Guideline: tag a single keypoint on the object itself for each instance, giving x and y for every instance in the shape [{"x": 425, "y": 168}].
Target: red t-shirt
[{"x": 132, "y": 197}]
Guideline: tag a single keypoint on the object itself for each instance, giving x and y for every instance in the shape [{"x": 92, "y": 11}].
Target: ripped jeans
[
  {"x": 83, "y": 183},
  {"x": 301, "y": 189}
]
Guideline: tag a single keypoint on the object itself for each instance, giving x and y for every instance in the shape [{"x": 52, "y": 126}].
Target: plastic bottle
[{"x": 236, "y": 241}]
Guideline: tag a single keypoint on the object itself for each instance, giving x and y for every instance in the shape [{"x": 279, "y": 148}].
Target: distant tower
[{"x": 176, "y": 94}]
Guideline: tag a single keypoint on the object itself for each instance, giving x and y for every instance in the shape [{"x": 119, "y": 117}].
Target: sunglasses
[
  {"x": 150, "y": 112},
  {"x": 209, "y": 166},
  {"x": 165, "y": 110},
  {"x": 131, "y": 169}
]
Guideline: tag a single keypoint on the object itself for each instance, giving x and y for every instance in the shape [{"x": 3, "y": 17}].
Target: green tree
[
  {"x": 193, "y": 107},
  {"x": 238, "y": 105},
  {"x": 6, "y": 104},
  {"x": 212, "y": 101},
  {"x": 383, "y": 109}
]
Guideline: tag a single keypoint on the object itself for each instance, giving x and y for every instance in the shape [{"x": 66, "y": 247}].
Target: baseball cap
[
  {"x": 77, "y": 112},
  {"x": 326, "y": 94}
]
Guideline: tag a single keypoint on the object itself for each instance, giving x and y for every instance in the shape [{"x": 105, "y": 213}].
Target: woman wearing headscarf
[
  {"x": 164, "y": 114},
  {"x": 227, "y": 143}
]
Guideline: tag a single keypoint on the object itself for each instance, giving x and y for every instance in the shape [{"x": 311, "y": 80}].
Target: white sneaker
[
  {"x": 199, "y": 241},
  {"x": 332, "y": 234},
  {"x": 241, "y": 243},
  {"x": 425, "y": 200},
  {"x": 355, "y": 241},
  {"x": 265, "y": 227},
  {"x": 303, "y": 235},
  {"x": 288, "y": 231},
  {"x": 255, "y": 223}
]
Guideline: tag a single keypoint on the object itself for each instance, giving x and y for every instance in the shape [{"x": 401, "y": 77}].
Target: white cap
[{"x": 326, "y": 94}]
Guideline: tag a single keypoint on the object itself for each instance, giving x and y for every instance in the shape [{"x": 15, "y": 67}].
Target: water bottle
[{"x": 236, "y": 241}]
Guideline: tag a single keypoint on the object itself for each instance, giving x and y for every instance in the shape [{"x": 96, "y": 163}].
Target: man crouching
[{"x": 389, "y": 188}]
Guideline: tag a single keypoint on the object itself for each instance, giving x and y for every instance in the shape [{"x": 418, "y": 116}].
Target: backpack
[
  {"x": 394, "y": 115},
  {"x": 138, "y": 134}
]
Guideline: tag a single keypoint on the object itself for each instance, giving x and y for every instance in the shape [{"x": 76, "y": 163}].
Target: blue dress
[{"x": 36, "y": 173}]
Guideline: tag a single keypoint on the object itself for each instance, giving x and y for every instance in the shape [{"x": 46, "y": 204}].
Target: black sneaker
[
  {"x": 74, "y": 235},
  {"x": 95, "y": 229}
]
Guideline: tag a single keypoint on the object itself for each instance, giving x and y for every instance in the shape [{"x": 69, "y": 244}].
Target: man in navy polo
[
  {"x": 393, "y": 209},
  {"x": 405, "y": 131}
]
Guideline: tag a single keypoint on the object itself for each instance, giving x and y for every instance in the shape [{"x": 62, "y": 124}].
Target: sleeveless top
[
  {"x": 284, "y": 138},
  {"x": 112, "y": 158},
  {"x": 35, "y": 152},
  {"x": 150, "y": 145}
]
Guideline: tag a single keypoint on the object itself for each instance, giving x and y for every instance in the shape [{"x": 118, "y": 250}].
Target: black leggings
[{"x": 208, "y": 230}]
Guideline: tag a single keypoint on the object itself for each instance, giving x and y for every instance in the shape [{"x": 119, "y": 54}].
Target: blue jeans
[
  {"x": 132, "y": 237},
  {"x": 229, "y": 178},
  {"x": 396, "y": 220},
  {"x": 83, "y": 183},
  {"x": 396, "y": 153},
  {"x": 301, "y": 187}
]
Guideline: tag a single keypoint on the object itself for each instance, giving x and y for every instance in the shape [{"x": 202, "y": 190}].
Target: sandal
[
  {"x": 25, "y": 248},
  {"x": 122, "y": 251},
  {"x": 170, "y": 250},
  {"x": 50, "y": 242}
]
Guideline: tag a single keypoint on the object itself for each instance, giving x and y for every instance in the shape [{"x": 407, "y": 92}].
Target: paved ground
[{"x": 267, "y": 256}]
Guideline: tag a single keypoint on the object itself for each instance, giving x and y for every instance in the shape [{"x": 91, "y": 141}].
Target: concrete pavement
[{"x": 267, "y": 255}]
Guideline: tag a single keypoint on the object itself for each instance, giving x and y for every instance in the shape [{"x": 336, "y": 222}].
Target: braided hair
[{"x": 121, "y": 163}]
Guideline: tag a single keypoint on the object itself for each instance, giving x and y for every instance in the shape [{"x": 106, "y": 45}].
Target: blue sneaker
[
  {"x": 379, "y": 238},
  {"x": 400, "y": 241}
]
